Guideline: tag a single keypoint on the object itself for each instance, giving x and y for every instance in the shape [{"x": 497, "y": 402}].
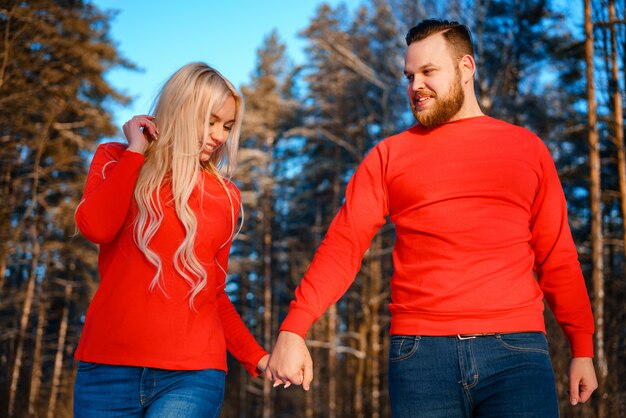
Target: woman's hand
[
  {"x": 139, "y": 132},
  {"x": 262, "y": 365}
]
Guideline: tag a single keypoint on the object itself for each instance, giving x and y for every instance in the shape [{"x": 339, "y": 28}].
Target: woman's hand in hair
[{"x": 139, "y": 132}]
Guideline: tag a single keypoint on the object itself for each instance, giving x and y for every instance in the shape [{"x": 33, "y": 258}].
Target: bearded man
[{"x": 482, "y": 238}]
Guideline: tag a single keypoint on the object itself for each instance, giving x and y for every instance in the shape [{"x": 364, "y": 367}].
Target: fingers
[
  {"x": 277, "y": 381},
  {"x": 140, "y": 130},
  {"x": 147, "y": 124},
  {"x": 307, "y": 374},
  {"x": 290, "y": 362},
  {"x": 585, "y": 393},
  {"x": 573, "y": 393},
  {"x": 583, "y": 380},
  {"x": 294, "y": 379}
]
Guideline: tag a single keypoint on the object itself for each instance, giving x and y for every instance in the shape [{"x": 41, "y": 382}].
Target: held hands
[
  {"x": 582, "y": 379},
  {"x": 139, "y": 131},
  {"x": 290, "y": 362},
  {"x": 262, "y": 367}
]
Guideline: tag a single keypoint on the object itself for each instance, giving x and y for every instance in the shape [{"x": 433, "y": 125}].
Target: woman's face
[{"x": 221, "y": 123}]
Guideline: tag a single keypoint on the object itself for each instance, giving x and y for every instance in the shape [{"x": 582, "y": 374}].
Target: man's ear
[{"x": 467, "y": 66}]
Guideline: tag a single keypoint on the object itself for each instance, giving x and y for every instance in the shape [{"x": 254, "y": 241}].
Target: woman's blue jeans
[
  {"x": 103, "y": 390},
  {"x": 498, "y": 376}
]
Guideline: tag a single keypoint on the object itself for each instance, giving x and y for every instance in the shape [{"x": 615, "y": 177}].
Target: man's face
[{"x": 434, "y": 85}]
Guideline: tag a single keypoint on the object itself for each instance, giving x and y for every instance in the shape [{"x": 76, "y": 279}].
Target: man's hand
[
  {"x": 290, "y": 361},
  {"x": 582, "y": 379}
]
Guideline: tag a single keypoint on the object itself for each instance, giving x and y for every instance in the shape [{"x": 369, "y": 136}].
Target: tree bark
[
  {"x": 58, "y": 361},
  {"x": 595, "y": 194},
  {"x": 35, "y": 380},
  {"x": 332, "y": 361},
  {"x": 267, "y": 268},
  {"x": 618, "y": 119},
  {"x": 28, "y": 303},
  {"x": 374, "y": 303},
  {"x": 243, "y": 374}
]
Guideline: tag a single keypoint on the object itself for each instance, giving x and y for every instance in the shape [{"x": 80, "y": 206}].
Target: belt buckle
[{"x": 466, "y": 336}]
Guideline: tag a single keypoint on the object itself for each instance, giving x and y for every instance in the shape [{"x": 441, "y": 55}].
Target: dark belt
[{"x": 470, "y": 336}]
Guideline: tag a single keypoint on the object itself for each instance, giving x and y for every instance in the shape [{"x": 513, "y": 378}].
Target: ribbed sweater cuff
[
  {"x": 581, "y": 345},
  {"x": 298, "y": 321},
  {"x": 251, "y": 367}
]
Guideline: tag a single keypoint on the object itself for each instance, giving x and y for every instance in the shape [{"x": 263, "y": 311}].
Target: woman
[{"x": 156, "y": 333}]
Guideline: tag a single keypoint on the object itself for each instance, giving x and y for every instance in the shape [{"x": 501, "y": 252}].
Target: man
[{"x": 481, "y": 238}]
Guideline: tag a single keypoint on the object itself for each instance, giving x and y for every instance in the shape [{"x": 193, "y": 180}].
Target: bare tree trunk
[
  {"x": 374, "y": 303},
  {"x": 309, "y": 400},
  {"x": 311, "y": 394},
  {"x": 618, "y": 119},
  {"x": 243, "y": 376},
  {"x": 332, "y": 361},
  {"x": 58, "y": 361},
  {"x": 359, "y": 385},
  {"x": 332, "y": 311},
  {"x": 28, "y": 303},
  {"x": 595, "y": 193},
  {"x": 35, "y": 380},
  {"x": 267, "y": 269},
  {"x": 5, "y": 221}
]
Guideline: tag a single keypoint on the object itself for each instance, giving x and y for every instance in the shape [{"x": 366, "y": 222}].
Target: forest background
[{"x": 307, "y": 126}]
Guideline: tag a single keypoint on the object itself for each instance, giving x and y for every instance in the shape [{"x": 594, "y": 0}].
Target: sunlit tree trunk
[
  {"x": 595, "y": 194},
  {"x": 332, "y": 361},
  {"x": 309, "y": 409},
  {"x": 58, "y": 361},
  {"x": 362, "y": 328},
  {"x": 26, "y": 309},
  {"x": 243, "y": 374},
  {"x": 374, "y": 303},
  {"x": 332, "y": 311},
  {"x": 267, "y": 268},
  {"x": 618, "y": 119},
  {"x": 35, "y": 380}
]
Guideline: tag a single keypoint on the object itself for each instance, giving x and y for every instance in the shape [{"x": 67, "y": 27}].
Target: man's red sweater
[
  {"x": 481, "y": 236},
  {"x": 127, "y": 324}
]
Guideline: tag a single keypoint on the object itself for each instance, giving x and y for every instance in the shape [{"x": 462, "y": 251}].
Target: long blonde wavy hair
[{"x": 183, "y": 109}]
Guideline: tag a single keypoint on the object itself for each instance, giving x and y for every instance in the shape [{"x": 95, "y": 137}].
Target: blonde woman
[{"x": 156, "y": 333}]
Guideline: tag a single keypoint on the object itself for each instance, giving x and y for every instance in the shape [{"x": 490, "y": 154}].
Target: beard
[{"x": 445, "y": 106}]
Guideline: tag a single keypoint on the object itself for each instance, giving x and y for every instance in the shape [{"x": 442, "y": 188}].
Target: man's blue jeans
[
  {"x": 499, "y": 376},
  {"x": 102, "y": 390}
]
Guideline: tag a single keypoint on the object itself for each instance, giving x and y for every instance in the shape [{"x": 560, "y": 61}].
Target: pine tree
[{"x": 52, "y": 112}]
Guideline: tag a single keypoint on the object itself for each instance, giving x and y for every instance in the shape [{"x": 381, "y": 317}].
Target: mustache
[{"x": 422, "y": 93}]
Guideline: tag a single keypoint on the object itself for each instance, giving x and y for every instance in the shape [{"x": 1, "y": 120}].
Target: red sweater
[
  {"x": 127, "y": 324},
  {"x": 479, "y": 211}
]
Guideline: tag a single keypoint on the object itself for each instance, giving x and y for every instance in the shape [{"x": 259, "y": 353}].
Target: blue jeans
[
  {"x": 103, "y": 390},
  {"x": 499, "y": 376}
]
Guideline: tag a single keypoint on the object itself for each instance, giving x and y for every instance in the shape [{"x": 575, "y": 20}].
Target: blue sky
[{"x": 161, "y": 36}]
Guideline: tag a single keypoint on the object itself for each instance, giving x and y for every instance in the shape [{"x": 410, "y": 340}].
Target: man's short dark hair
[{"x": 458, "y": 36}]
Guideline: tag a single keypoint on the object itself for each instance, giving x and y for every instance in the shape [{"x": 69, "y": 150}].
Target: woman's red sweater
[{"x": 126, "y": 323}]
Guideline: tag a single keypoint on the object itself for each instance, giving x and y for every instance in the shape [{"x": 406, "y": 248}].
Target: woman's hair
[{"x": 182, "y": 110}]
